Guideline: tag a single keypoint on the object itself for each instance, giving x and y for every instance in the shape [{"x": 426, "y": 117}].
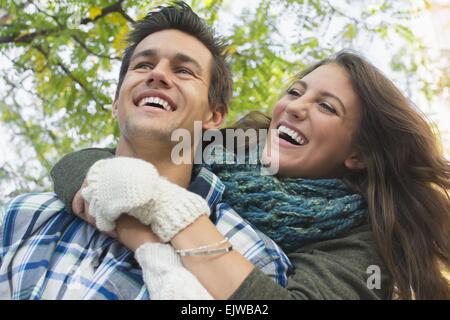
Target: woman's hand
[
  {"x": 129, "y": 231},
  {"x": 80, "y": 208},
  {"x": 133, "y": 186},
  {"x": 120, "y": 185}
]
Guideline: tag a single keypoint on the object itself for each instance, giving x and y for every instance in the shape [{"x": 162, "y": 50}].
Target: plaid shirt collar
[{"x": 207, "y": 185}]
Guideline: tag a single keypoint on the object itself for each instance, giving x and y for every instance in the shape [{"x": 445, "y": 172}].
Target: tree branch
[
  {"x": 31, "y": 93},
  {"x": 116, "y": 7},
  {"x": 343, "y": 14},
  {"x": 26, "y": 127},
  {"x": 27, "y": 132},
  {"x": 126, "y": 16},
  {"x": 85, "y": 47},
  {"x": 74, "y": 79},
  {"x": 27, "y": 38},
  {"x": 74, "y": 37}
]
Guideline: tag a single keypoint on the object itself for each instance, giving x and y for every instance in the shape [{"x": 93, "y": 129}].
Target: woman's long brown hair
[{"x": 406, "y": 182}]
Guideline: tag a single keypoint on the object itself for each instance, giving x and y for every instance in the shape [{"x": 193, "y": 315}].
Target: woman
[{"x": 341, "y": 120}]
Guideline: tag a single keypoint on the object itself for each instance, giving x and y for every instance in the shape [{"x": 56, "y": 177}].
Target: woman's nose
[{"x": 298, "y": 109}]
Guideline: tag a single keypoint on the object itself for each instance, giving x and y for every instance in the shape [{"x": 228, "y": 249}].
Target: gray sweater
[{"x": 342, "y": 268}]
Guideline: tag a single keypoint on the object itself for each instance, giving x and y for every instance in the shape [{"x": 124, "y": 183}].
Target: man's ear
[
  {"x": 355, "y": 161},
  {"x": 215, "y": 117},
  {"x": 114, "y": 109}
]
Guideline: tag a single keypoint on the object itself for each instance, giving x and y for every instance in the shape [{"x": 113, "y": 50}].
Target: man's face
[{"x": 165, "y": 88}]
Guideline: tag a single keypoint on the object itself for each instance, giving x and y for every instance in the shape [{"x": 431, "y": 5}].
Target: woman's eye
[
  {"x": 294, "y": 92},
  {"x": 328, "y": 107}
]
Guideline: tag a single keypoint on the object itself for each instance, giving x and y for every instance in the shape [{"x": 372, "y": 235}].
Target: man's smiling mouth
[{"x": 156, "y": 103}]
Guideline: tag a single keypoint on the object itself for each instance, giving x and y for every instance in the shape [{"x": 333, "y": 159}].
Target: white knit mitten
[
  {"x": 165, "y": 276},
  {"x": 174, "y": 209},
  {"x": 117, "y": 186},
  {"x": 132, "y": 186}
]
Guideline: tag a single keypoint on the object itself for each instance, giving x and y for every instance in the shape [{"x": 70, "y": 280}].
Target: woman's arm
[
  {"x": 344, "y": 268},
  {"x": 69, "y": 173}
]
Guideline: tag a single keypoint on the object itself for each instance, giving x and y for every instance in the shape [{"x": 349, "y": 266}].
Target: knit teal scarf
[{"x": 291, "y": 211}]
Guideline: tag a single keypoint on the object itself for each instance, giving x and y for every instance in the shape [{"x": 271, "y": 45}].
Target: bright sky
[{"x": 434, "y": 28}]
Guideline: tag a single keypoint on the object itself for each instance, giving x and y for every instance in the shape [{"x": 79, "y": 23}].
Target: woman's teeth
[{"x": 292, "y": 134}]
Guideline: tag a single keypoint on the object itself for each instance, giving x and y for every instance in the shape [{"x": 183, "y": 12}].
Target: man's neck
[{"x": 160, "y": 157}]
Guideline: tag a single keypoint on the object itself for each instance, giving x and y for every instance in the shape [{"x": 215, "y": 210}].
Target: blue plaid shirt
[{"x": 47, "y": 253}]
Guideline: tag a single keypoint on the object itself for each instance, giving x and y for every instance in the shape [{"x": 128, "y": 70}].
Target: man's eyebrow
[
  {"x": 323, "y": 93},
  {"x": 144, "y": 53}
]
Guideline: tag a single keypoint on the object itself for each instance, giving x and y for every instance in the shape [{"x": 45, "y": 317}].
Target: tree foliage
[{"x": 60, "y": 62}]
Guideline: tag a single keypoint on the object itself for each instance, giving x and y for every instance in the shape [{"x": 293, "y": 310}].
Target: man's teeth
[
  {"x": 155, "y": 100},
  {"x": 294, "y": 135}
]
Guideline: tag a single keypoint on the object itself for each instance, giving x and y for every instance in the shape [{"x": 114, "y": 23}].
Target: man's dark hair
[{"x": 180, "y": 16}]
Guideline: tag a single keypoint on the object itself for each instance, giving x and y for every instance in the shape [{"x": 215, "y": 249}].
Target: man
[{"x": 173, "y": 73}]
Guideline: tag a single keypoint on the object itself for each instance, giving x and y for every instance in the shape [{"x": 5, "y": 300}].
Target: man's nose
[{"x": 159, "y": 76}]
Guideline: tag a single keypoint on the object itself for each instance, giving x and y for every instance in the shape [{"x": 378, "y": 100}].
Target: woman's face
[{"x": 314, "y": 123}]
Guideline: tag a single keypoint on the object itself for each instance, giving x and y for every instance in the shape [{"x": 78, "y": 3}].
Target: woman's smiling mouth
[{"x": 290, "y": 135}]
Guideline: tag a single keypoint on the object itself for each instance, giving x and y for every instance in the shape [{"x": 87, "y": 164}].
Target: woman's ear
[
  {"x": 215, "y": 118},
  {"x": 114, "y": 109},
  {"x": 355, "y": 161}
]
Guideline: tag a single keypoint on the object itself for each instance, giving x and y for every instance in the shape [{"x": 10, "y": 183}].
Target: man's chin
[{"x": 149, "y": 132}]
